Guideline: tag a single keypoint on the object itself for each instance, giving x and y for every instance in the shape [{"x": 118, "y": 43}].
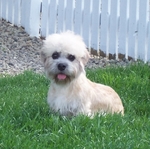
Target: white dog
[{"x": 64, "y": 56}]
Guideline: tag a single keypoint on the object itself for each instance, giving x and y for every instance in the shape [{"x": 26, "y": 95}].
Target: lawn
[{"x": 26, "y": 123}]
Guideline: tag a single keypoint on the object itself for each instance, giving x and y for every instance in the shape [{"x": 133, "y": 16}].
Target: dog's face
[{"x": 64, "y": 56}]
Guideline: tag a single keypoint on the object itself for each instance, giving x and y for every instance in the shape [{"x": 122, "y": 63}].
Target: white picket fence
[{"x": 112, "y": 26}]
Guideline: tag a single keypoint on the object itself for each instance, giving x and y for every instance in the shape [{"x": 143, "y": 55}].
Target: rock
[{"x": 10, "y": 64}]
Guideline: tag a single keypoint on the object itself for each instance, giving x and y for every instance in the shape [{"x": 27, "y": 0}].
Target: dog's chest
[
  {"x": 64, "y": 104},
  {"x": 68, "y": 99}
]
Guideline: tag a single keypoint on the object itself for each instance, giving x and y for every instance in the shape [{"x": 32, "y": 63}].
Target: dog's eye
[
  {"x": 71, "y": 57},
  {"x": 55, "y": 55}
]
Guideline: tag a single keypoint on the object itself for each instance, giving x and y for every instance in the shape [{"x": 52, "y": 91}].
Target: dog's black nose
[{"x": 62, "y": 66}]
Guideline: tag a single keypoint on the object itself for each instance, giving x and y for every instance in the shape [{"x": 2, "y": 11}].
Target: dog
[{"x": 71, "y": 93}]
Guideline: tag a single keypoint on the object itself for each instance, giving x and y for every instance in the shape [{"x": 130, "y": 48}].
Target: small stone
[{"x": 10, "y": 64}]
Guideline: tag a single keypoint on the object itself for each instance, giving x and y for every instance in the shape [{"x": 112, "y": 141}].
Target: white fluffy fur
[{"x": 76, "y": 94}]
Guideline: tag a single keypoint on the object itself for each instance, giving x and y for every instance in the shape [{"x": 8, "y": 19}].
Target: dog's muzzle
[{"x": 61, "y": 75}]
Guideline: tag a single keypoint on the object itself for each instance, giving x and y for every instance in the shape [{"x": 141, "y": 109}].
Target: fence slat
[
  {"x": 95, "y": 25},
  {"x": 78, "y": 17},
  {"x": 52, "y": 19},
  {"x": 86, "y": 30},
  {"x": 104, "y": 31},
  {"x": 61, "y": 16},
  {"x": 24, "y": 13},
  {"x": 27, "y": 16},
  {"x": 113, "y": 35},
  {"x": 148, "y": 41},
  {"x": 142, "y": 28},
  {"x": 69, "y": 23},
  {"x": 0, "y": 9},
  {"x": 133, "y": 22},
  {"x": 17, "y": 12},
  {"x": 123, "y": 28},
  {"x": 5, "y": 9},
  {"x": 11, "y": 11},
  {"x": 44, "y": 18}
]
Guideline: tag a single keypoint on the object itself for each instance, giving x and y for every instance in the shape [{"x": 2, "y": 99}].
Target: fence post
[
  {"x": 30, "y": 16},
  {"x": 34, "y": 18}
]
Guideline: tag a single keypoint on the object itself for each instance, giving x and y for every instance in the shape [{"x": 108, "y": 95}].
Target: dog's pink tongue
[{"x": 61, "y": 76}]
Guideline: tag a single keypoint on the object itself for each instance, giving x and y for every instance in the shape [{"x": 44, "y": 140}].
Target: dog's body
[{"x": 71, "y": 93}]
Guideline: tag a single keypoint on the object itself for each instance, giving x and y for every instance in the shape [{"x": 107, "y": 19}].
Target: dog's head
[{"x": 64, "y": 56}]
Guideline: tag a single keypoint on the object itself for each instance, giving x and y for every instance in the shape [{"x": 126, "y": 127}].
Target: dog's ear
[{"x": 85, "y": 58}]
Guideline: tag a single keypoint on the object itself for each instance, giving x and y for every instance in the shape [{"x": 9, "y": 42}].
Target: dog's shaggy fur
[{"x": 64, "y": 56}]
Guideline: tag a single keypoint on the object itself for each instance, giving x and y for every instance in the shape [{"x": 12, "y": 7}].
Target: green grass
[{"x": 26, "y": 123}]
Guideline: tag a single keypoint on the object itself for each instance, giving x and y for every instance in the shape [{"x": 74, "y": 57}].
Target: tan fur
[{"x": 76, "y": 94}]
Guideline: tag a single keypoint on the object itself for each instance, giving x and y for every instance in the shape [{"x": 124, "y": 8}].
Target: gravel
[{"x": 20, "y": 52}]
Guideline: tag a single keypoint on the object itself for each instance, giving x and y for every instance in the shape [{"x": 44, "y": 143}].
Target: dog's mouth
[{"x": 61, "y": 76}]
